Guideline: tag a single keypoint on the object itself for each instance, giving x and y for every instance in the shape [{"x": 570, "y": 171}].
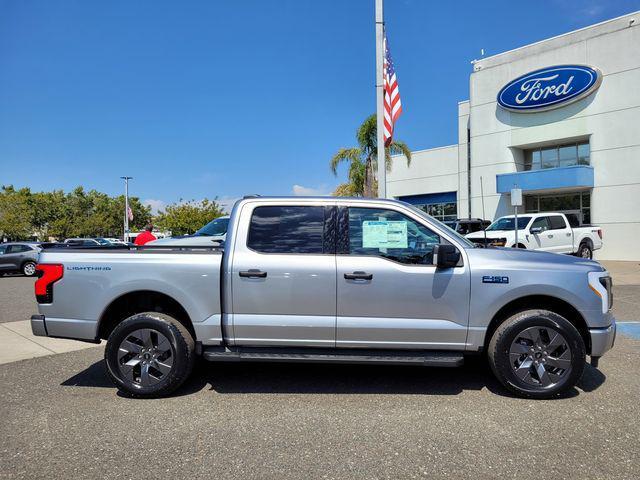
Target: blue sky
[{"x": 201, "y": 99}]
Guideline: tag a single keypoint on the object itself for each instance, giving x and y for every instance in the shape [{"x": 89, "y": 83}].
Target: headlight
[{"x": 602, "y": 285}]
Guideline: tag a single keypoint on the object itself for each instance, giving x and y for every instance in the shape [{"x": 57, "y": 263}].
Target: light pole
[{"x": 126, "y": 207}]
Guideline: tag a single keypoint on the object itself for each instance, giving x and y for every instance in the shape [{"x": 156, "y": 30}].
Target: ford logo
[{"x": 549, "y": 88}]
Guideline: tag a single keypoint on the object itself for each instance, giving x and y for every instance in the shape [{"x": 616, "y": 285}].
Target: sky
[{"x": 198, "y": 99}]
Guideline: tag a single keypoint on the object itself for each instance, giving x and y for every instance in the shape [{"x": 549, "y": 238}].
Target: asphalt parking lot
[{"x": 60, "y": 417}]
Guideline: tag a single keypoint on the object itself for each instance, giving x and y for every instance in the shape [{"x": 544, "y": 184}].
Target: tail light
[
  {"x": 48, "y": 274},
  {"x": 600, "y": 233}
]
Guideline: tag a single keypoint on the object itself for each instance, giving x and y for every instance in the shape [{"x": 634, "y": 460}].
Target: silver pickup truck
[{"x": 329, "y": 280}]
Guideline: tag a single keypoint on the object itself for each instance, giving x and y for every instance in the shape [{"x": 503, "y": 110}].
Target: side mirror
[
  {"x": 535, "y": 230},
  {"x": 445, "y": 256}
]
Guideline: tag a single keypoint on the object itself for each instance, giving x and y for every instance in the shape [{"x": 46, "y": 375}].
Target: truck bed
[{"x": 95, "y": 277}]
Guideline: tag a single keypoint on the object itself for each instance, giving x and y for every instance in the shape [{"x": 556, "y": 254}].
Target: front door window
[{"x": 390, "y": 234}]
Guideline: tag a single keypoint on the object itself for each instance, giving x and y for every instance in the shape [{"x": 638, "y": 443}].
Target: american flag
[
  {"x": 129, "y": 213},
  {"x": 392, "y": 104}
]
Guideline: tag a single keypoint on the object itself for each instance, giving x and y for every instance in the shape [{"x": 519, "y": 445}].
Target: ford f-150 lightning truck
[{"x": 324, "y": 279}]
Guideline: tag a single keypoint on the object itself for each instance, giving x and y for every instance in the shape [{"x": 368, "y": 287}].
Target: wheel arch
[
  {"x": 586, "y": 239},
  {"x": 140, "y": 301},
  {"x": 540, "y": 302}
]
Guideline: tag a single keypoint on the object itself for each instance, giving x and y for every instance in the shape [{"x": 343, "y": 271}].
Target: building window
[
  {"x": 557, "y": 156},
  {"x": 576, "y": 206},
  {"x": 445, "y": 212},
  {"x": 442, "y": 205}
]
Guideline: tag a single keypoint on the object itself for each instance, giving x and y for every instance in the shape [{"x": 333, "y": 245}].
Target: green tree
[
  {"x": 47, "y": 208},
  {"x": 184, "y": 218},
  {"x": 141, "y": 213},
  {"x": 363, "y": 160},
  {"x": 16, "y": 213},
  {"x": 45, "y": 215}
]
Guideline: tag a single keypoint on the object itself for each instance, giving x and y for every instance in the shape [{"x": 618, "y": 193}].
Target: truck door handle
[
  {"x": 358, "y": 276},
  {"x": 549, "y": 236},
  {"x": 253, "y": 273}
]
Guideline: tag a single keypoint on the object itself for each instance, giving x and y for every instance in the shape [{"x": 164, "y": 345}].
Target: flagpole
[
  {"x": 382, "y": 172},
  {"x": 126, "y": 207}
]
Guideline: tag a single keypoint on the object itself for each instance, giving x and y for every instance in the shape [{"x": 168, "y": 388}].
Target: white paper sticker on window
[
  {"x": 384, "y": 234},
  {"x": 374, "y": 234},
  {"x": 397, "y": 235}
]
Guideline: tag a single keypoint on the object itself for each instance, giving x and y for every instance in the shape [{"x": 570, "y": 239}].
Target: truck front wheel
[
  {"x": 537, "y": 354},
  {"x": 149, "y": 355}
]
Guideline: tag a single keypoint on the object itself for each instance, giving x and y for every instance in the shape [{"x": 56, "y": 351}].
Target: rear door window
[
  {"x": 290, "y": 229},
  {"x": 557, "y": 222}
]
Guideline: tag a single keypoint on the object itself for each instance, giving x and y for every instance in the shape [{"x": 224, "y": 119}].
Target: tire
[
  {"x": 29, "y": 269},
  {"x": 585, "y": 251},
  {"x": 156, "y": 357},
  {"x": 513, "y": 353}
]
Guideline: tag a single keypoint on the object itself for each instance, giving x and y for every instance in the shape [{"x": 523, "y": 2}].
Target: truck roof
[{"x": 318, "y": 198}]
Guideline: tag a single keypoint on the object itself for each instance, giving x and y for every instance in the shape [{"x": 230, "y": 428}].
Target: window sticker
[
  {"x": 383, "y": 234},
  {"x": 396, "y": 235},
  {"x": 374, "y": 234}
]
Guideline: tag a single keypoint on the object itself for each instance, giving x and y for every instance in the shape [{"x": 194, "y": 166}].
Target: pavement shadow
[
  {"x": 592, "y": 379},
  {"x": 93, "y": 376},
  {"x": 285, "y": 378}
]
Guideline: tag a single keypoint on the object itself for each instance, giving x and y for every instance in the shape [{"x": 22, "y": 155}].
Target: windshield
[
  {"x": 103, "y": 241},
  {"x": 450, "y": 231},
  {"x": 508, "y": 223},
  {"x": 216, "y": 228}
]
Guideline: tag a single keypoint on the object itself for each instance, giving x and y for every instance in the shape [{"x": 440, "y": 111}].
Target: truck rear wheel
[
  {"x": 149, "y": 355},
  {"x": 537, "y": 354},
  {"x": 585, "y": 251}
]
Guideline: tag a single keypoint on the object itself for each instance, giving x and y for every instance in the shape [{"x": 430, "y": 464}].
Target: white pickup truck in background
[{"x": 551, "y": 232}]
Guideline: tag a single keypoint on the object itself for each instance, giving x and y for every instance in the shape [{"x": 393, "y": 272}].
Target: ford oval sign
[{"x": 549, "y": 88}]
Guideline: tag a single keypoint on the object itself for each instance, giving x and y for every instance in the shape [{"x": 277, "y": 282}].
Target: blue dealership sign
[{"x": 549, "y": 88}]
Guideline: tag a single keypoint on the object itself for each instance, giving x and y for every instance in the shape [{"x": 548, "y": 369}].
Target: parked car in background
[
  {"x": 102, "y": 241},
  {"x": 115, "y": 241},
  {"x": 551, "y": 232},
  {"x": 82, "y": 242},
  {"x": 19, "y": 257},
  {"x": 465, "y": 226},
  {"x": 214, "y": 231}
]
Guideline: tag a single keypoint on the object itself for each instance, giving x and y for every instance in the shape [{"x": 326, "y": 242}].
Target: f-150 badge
[{"x": 494, "y": 279}]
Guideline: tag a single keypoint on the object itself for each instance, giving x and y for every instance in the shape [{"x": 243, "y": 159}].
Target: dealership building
[{"x": 558, "y": 119}]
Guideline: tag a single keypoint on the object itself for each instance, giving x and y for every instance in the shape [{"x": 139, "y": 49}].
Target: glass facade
[
  {"x": 577, "y": 206},
  {"x": 445, "y": 212},
  {"x": 557, "y": 156}
]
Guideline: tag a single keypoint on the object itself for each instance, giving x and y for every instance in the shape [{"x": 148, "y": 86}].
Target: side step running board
[{"x": 391, "y": 357}]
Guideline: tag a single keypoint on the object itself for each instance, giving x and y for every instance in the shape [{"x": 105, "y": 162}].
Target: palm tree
[{"x": 363, "y": 161}]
